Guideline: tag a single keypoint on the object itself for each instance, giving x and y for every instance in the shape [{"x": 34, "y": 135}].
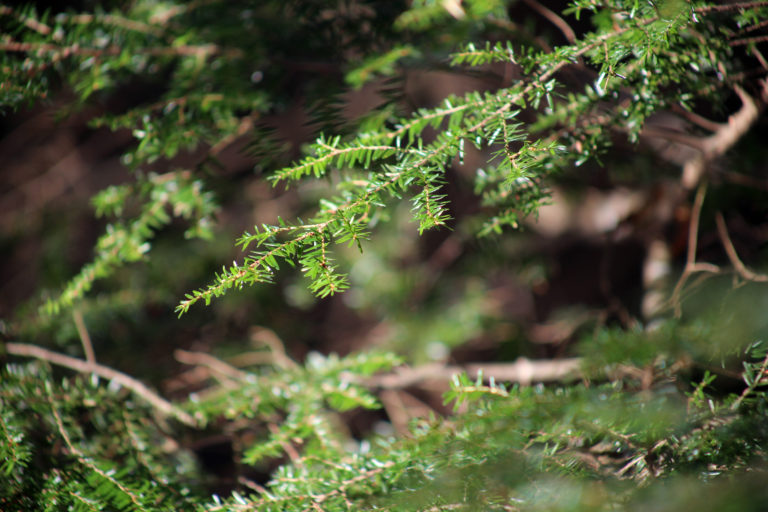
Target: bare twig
[
  {"x": 31, "y": 23},
  {"x": 251, "y": 485},
  {"x": 693, "y": 228},
  {"x": 731, "y": 6},
  {"x": 210, "y": 362},
  {"x": 159, "y": 403},
  {"x": 717, "y": 144},
  {"x": 754, "y": 27},
  {"x": 738, "y": 265},
  {"x": 204, "y": 50},
  {"x": 553, "y": 18},
  {"x": 163, "y": 16},
  {"x": 691, "y": 267},
  {"x": 748, "y": 40},
  {"x": 696, "y": 119},
  {"x": 263, "y": 336},
  {"x": 743, "y": 179},
  {"x": 118, "y": 21},
  {"x": 723, "y": 139},
  {"x": 674, "y": 136},
  {"x": 523, "y": 371},
  {"x": 763, "y": 62},
  {"x": 85, "y": 338}
]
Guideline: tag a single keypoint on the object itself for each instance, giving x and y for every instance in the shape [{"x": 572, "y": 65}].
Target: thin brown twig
[
  {"x": 691, "y": 266},
  {"x": 210, "y": 362},
  {"x": 553, "y": 18},
  {"x": 673, "y": 135},
  {"x": 748, "y": 40},
  {"x": 31, "y": 23},
  {"x": 696, "y": 119},
  {"x": 754, "y": 27},
  {"x": 163, "y": 17},
  {"x": 738, "y": 265},
  {"x": 759, "y": 56},
  {"x": 159, "y": 403},
  {"x": 251, "y": 485},
  {"x": 724, "y": 138},
  {"x": 693, "y": 231},
  {"x": 731, "y": 7},
  {"x": 75, "y": 49},
  {"x": 263, "y": 336},
  {"x": 743, "y": 179},
  {"x": 118, "y": 21},
  {"x": 85, "y": 338},
  {"x": 523, "y": 371}
]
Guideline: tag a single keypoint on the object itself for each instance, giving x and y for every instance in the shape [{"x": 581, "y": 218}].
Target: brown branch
[
  {"x": 752, "y": 28},
  {"x": 742, "y": 179},
  {"x": 731, "y": 7},
  {"x": 748, "y": 40},
  {"x": 691, "y": 267},
  {"x": 210, "y": 362},
  {"x": 163, "y": 17},
  {"x": 523, "y": 371},
  {"x": 264, "y": 336},
  {"x": 673, "y": 135},
  {"x": 31, "y": 23},
  {"x": 85, "y": 338},
  {"x": 553, "y": 18},
  {"x": 762, "y": 61},
  {"x": 118, "y": 21},
  {"x": 738, "y": 265},
  {"x": 696, "y": 119},
  {"x": 75, "y": 49},
  {"x": 723, "y": 139},
  {"x": 159, "y": 403}
]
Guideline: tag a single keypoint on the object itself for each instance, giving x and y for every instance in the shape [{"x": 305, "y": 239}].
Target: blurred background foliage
[{"x": 165, "y": 119}]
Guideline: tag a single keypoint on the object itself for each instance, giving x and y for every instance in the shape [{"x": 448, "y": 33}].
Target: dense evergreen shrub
[{"x": 663, "y": 410}]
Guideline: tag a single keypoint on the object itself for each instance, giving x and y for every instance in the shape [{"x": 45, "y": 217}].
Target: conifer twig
[{"x": 158, "y": 402}]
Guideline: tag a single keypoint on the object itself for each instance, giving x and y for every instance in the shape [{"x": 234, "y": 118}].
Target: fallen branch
[{"x": 158, "y": 402}]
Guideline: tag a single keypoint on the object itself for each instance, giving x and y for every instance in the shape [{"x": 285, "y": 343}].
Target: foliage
[{"x": 655, "y": 420}]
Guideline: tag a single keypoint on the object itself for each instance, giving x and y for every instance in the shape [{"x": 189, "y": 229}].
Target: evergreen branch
[
  {"x": 111, "y": 19},
  {"x": 159, "y": 403},
  {"x": 493, "y": 108},
  {"x": 343, "y": 156},
  {"x": 473, "y": 56},
  {"x": 58, "y": 51},
  {"x": 422, "y": 118},
  {"x": 27, "y": 21},
  {"x": 87, "y": 462},
  {"x": 122, "y": 244}
]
